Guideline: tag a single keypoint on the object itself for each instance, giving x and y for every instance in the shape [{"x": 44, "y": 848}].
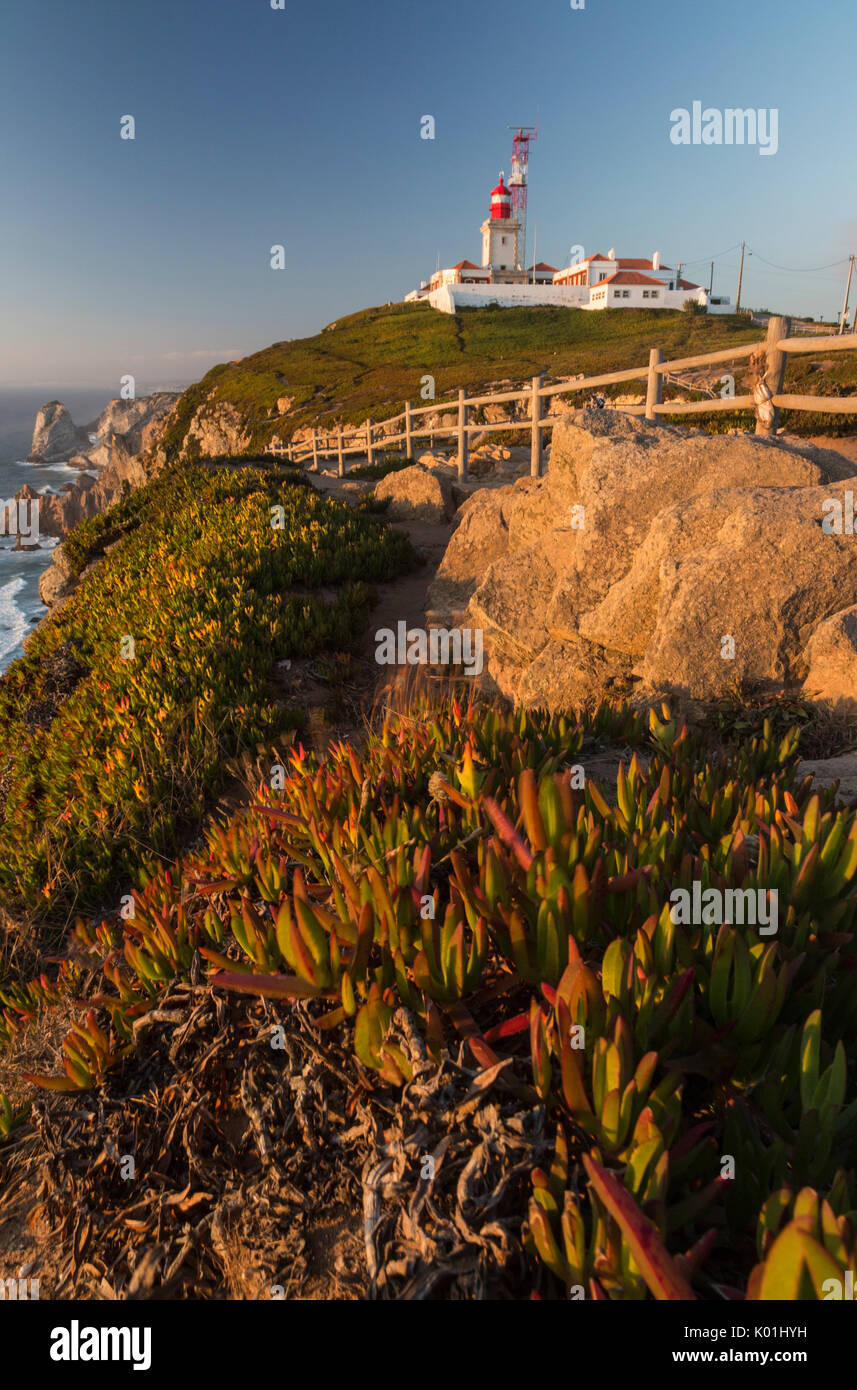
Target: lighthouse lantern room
[{"x": 501, "y": 231}]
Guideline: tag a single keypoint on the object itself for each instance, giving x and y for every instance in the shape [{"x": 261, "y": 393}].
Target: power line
[
  {"x": 700, "y": 259},
  {"x": 828, "y": 279},
  {"x": 800, "y": 270},
  {"x": 790, "y": 269}
]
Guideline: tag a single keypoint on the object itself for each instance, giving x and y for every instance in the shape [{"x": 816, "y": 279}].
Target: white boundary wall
[{"x": 450, "y": 298}]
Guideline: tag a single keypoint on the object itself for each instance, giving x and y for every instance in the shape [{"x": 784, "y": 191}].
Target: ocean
[{"x": 20, "y": 605}]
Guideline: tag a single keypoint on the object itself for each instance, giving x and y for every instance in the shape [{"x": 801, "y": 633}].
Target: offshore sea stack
[
  {"x": 655, "y": 561},
  {"x": 55, "y": 435},
  {"x": 57, "y": 439}
]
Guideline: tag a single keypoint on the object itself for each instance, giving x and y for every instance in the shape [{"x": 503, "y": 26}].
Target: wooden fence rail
[{"x": 766, "y": 401}]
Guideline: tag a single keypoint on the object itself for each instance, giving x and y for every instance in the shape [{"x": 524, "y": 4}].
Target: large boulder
[
  {"x": 418, "y": 494},
  {"x": 481, "y": 536},
  {"x": 745, "y": 606},
  {"x": 675, "y": 561},
  {"x": 831, "y": 658}
]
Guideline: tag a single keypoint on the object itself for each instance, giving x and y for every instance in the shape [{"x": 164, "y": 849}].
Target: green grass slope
[{"x": 371, "y": 362}]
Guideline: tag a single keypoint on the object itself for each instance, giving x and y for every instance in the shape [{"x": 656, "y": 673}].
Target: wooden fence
[{"x": 766, "y": 401}]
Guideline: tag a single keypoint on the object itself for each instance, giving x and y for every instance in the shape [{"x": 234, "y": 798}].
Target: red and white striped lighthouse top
[{"x": 501, "y": 200}]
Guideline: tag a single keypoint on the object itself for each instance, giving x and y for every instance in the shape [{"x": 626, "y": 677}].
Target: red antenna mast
[{"x": 518, "y": 182}]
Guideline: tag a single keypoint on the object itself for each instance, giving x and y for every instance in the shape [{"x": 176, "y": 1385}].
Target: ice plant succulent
[{"x": 696, "y": 1074}]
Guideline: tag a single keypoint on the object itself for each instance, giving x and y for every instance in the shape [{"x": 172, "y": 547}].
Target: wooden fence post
[
  {"x": 315, "y": 448},
  {"x": 339, "y": 450},
  {"x": 767, "y": 414},
  {"x": 535, "y": 429},
  {"x": 409, "y": 443},
  {"x": 655, "y": 386},
  {"x": 462, "y": 435},
  {"x": 289, "y": 451},
  {"x": 370, "y": 446}
]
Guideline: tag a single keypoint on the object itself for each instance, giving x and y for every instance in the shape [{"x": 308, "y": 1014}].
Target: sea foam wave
[{"x": 14, "y": 619}]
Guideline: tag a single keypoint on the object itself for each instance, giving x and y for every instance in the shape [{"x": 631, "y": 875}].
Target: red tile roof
[
  {"x": 466, "y": 265},
  {"x": 628, "y": 277},
  {"x": 635, "y": 263},
  {"x": 542, "y": 265},
  {"x": 688, "y": 285}
]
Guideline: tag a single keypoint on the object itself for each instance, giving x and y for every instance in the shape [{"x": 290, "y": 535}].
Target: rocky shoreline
[{"x": 108, "y": 452}]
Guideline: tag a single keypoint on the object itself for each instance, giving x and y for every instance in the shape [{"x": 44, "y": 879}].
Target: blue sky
[{"x": 301, "y": 126}]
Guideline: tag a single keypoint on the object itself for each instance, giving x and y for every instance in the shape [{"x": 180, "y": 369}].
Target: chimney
[
  {"x": 656, "y": 261},
  {"x": 611, "y": 254}
]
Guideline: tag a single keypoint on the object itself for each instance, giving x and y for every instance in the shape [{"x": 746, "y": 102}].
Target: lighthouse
[{"x": 500, "y": 232}]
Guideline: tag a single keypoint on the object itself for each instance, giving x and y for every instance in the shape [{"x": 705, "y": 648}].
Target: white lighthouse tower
[{"x": 501, "y": 232}]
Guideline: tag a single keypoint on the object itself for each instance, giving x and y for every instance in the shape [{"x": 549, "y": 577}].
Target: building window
[
  {"x": 617, "y": 294},
  {"x": 645, "y": 294},
  {"x": 655, "y": 294},
  {"x": 626, "y": 294}
]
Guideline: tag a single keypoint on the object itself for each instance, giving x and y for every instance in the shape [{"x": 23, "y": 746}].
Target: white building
[
  {"x": 597, "y": 282},
  {"x": 622, "y": 282},
  {"x": 594, "y": 269}
]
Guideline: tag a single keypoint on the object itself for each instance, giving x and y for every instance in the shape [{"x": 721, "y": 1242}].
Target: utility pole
[
  {"x": 740, "y": 277},
  {"x": 847, "y": 293},
  {"x": 535, "y": 248},
  {"x": 678, "y": 275},
  {"x": 711, "y": 281}
]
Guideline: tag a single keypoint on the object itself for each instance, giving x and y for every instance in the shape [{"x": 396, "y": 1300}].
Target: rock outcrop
[
  {"x": 57, "y": 581},
  {"x": 55, "y": 436},
  {"x": 118, "y": 456},
  {"x": 129, "y": 427},
  {"x": 218, "y": 428},
  {"x": 650, "y": 557},
  {"x": 87, "y": 496}
]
